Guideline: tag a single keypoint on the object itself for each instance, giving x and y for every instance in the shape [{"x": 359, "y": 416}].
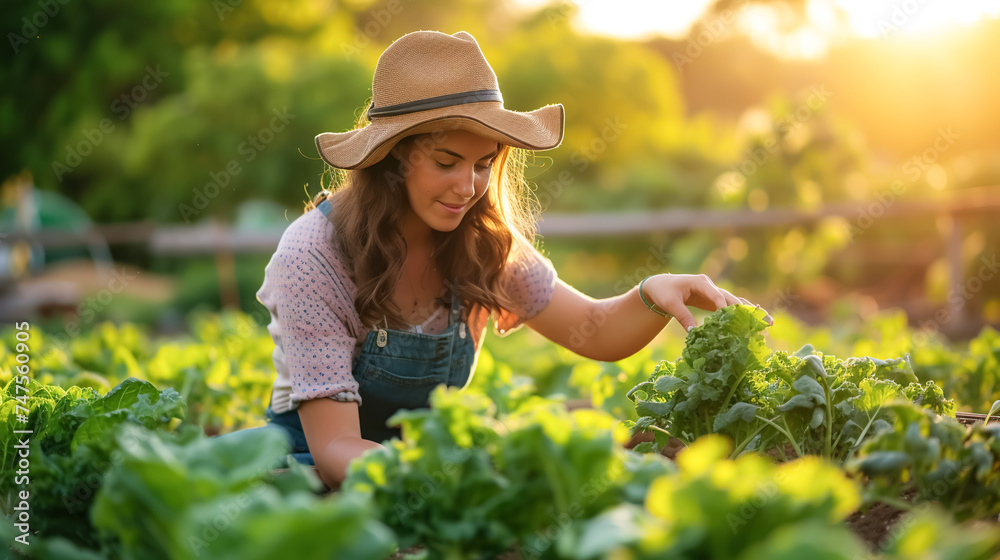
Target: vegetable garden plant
[
  {"x": 727, "y": 381},
  {"x": 781, "y": 448}
]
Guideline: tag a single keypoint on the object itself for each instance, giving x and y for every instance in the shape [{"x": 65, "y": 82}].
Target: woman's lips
[{"x": 452, "y": 209}]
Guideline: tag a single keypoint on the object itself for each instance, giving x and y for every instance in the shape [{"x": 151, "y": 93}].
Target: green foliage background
[{"x": 642, "y": 133}]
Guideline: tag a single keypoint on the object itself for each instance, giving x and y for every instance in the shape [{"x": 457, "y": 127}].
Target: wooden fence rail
[
  {"x": 223, "y": 241},
  {"x": 211, "y": 238}
]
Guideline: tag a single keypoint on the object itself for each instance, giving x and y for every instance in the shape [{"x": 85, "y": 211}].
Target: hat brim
[{"x": 541, "y": 129}]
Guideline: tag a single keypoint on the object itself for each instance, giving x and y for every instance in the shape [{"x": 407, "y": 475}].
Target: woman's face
[{"x": 446, "y": 173}]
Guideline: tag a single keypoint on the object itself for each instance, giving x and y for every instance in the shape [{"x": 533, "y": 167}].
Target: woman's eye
[{"x": 451, "y": 165}]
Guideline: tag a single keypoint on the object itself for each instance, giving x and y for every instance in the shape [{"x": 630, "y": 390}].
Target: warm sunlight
[
  {"x": 641, "y": 18},
  {"x": 878, "y": 18},
  {"x": 776, "y": 27},
  {"x": 634, "y": 18},
  {"x": 705, "y": 279}
]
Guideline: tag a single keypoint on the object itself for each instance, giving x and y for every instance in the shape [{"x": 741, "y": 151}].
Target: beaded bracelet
[{"x": 652, "y": 306}]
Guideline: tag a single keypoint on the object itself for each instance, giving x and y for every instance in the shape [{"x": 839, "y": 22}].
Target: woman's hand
[{"x": 674, "y": 292}]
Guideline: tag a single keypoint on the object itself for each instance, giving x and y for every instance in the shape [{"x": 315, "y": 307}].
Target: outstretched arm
[
  {"x": 614, "y": 328},
  {"x": 333, "y": 435}
]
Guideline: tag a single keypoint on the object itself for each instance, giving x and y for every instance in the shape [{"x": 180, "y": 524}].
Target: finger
[
  {"x": 767, "y": 316},
  {"x": 716, "y": 296},
  {"x": 679, "y": 310},
  {"x": 683, "y": 316},
  {"x": 730, "y": 298},
  {"x": 704, "y": 295},
  {"x": 709, "y": 300}
]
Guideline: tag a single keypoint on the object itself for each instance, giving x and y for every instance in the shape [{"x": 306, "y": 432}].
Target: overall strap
[
  {"x": 326, "y": 208},
  {"x": 456, "y": 306}
]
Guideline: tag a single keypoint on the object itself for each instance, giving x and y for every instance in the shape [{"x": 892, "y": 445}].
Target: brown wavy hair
[{"x": 369, "y": 203}]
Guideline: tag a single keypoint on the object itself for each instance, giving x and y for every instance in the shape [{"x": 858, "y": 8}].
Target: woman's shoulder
[
  {"x": 311, "y": 231},
  {"x": 308, "y": 247},
  {"x": 525, "y": 258},
  {"x": 307, "y": 258}
]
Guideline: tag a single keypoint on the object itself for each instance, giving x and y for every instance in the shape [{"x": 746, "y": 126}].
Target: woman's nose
[{"x": 466, "y": 185}]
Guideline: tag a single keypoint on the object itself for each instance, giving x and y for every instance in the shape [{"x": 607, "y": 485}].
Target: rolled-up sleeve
[
  {"x": 529, "y": 278},
  {"x": 317, "y": 346}
]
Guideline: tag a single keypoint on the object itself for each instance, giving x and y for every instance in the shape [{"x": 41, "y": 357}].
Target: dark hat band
[{"x": 435, "y": 102}]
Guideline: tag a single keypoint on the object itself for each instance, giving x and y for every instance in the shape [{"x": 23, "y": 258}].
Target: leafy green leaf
[
  {"x": 668, "y": 383},
  {"x": 883, "y": 462},
  {"x": 651, "y": 408},
  {"x": 875, "y": 393},
  {"x": 817, "y": 417},
  {"x": 739, "y": 412}
]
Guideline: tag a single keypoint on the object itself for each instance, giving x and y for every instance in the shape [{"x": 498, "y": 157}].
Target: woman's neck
[{"x": 417, "y": 234}]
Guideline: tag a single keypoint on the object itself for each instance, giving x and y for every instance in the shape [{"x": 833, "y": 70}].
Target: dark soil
[
  {"x": 875, "y": 524},
  {"x": 211, "y": 431},
  {"x": 670, "y": 451}
]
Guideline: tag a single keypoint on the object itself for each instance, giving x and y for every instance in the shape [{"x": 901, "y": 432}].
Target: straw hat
[{"x": 428, "y": 81}]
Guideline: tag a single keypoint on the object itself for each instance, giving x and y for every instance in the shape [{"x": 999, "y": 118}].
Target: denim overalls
[{"x": 396, "y": 370}]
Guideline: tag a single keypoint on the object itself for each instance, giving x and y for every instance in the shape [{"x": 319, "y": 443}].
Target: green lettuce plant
[{"x": 727, "y": 381}]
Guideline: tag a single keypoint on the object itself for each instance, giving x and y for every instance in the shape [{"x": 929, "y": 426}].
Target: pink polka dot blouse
[{"x": 318, "y": 333}]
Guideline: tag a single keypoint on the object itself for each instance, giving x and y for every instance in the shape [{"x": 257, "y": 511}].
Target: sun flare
[{"x": 776, "y": 28}]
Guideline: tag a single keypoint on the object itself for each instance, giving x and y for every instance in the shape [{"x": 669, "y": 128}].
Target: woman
[{"x": 383, "y": 290}]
